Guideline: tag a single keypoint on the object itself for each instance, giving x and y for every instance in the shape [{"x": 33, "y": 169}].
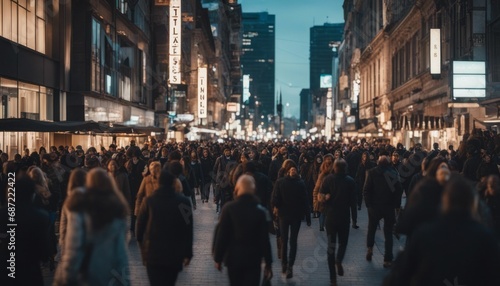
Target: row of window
[
  {"x": 115, "y": 66},
  {"x": 23, "y": 22}
]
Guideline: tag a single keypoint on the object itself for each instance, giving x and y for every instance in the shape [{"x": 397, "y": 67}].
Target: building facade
[
  {"x": 386, "y": 66},
  {"x": 321, "y": 67}
]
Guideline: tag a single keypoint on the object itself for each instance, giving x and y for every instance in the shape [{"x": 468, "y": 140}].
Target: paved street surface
[{"x": 310, "y": 268}]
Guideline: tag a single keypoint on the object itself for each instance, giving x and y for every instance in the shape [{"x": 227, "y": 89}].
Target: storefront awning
[
  {"x": 24, "y": 124},
  {"x": 27, "y": 125}
]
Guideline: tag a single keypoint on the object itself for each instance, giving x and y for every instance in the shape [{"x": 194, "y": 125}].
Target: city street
[{"x": 310, "y": 266}]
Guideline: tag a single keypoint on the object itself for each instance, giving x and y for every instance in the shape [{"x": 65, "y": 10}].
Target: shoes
[
  {"x": 278, "y": 243},
  {"x": 333, "y": 283},
  {"x": 387, "y": 264},
  {"x": 355, "y": 226},
  {"x": 321, "y": 229},
  {"x": 289, "y": 272},
  {"x": 340, "y": 269},
  {"x": 359, "y": 208},
  {"x": 369, "y": 254}
]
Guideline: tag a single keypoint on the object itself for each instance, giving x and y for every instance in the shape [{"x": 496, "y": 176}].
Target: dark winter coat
[
  {"x": 455, "y": 250},
  {"x": 342, "y": 198},
  {"x": 165, "y": 229},
  {"x": 290, "y": 198},
  {"x": 382, "y": 189},
  {"x": 242, "y": 237}
]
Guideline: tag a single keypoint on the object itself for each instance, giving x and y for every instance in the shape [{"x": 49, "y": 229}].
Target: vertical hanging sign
[
  {"x": 435, "y": 49},
  {"x": 175, "y": 39},
  {"x": 202, "y": 92}
]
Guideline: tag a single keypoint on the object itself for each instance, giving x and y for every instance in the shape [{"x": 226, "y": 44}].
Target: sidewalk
[{"x": 310, "y": 268}]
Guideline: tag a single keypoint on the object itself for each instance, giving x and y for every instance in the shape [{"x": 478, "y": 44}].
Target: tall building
[
  {"x": 321, "y": 54},
  {"x": 320, "y": 66},
  {"x": 258, "y": 62}
]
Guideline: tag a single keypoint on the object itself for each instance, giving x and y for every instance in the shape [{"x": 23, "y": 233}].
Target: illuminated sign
[
  {"x": 326, "y": 81},
  {"x": 246, "y": 87},
  {"x": 469, "y": 79},
  {"x": 175, "y": 37},
  {"x": 435, "y": 50},
  {"x": 202, "y": 92}
]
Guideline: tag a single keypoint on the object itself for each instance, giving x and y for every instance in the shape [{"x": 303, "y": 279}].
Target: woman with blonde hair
[
  {"x": 149, "y": 184},
  {"x": 95, "y": 247},
  {"x": 325, "y": 170},
  {"x": 76, "y": 183}
]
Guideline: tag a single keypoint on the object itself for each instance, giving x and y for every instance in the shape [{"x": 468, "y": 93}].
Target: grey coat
[{"x": 104, "y": 249}]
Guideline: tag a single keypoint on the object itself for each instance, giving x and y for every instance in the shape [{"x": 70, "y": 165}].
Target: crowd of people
[{"x": 77, "y": 209}]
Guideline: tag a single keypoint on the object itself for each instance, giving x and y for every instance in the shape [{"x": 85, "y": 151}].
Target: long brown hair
[
  {"x": 76, "y": 179},
  {"x": 102, "y": 200}
]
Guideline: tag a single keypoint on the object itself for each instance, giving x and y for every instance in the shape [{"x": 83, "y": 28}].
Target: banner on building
[
  {"x": 435, "y": 50},
  {"x": 202, "y": 92},
  {"x": 175, "y": 39}
]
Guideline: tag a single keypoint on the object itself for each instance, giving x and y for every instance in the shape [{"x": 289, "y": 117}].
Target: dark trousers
[
  {"x": 359, "y": 196},
  {"x": 334, "y": 231},
  {"x": 374, "y": 216},
  {"x": 162, "y": 275},
  {"x": 205, "y": 190},
  {"x": 286, "y": 226},
  {"x": 248, "y": 275}
]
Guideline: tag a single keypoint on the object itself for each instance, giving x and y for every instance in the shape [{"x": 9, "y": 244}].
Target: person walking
[
  {"x": 149, "y": 184},
  {"x": 338, "y": 192},
  {"x": 382, "y": 191},
  {"x": 454, "y": 249},
  {"x": 32, "y": 240},
  {"x": 165, "y": 232},
  {"x": 95, "y": 248},
  {"x": 241, "y": 239},
  {"x": 325, "y": 170},
  {"x": 290, "y": 203}
]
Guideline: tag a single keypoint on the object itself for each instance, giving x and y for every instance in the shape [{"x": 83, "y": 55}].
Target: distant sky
[{"x": 294, "y": 18}]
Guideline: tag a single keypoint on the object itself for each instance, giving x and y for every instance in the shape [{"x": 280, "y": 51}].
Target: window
[
  {"x": 96, "y": 57},
  {"x": 23, "y": 22}
]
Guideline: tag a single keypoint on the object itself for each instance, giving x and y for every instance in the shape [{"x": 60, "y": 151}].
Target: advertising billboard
[{"x": 469, "y": 79}]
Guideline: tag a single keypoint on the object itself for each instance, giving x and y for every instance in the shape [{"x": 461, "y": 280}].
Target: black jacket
[
  {"x": 382, "y": 188},
  {"x": 165, "y": 229},
  {"x": 241, "y": 238},
  {"x": 32, "y": 244},
  {"x": 342, "y": 198},
  {"x": 455, "y": 250},
  {"x": 361, "y": 173},
  {"x": 290, "y": 198}
]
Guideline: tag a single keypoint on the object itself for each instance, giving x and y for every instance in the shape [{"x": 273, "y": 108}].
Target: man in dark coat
[
  {"x": 165, "y": 232},
  {"x": 222, "y": 170},
  {"x": 135, "y": 167},
  {"x": 241, "y": 240},
  {"x": 338, "y": 191},
  {"x": 382, "y": 192},
  {"x": 453, "y": 250},
  {"x": 31, "y": 235},
  {"x": 276, "y": 163}
]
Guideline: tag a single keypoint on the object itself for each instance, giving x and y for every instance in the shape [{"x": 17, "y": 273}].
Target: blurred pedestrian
[
  {"x": 382, "y": 192},
  {"x": 241, "y": 239},
  {"x": 31, "y": 238},
  {"x": 338, "y": 192},
  {"x": 290, "y": 202},
  {"x": 95, "y": 246},
  {"x": 454, "y": 250},
  {"x": 165, "y": 232}
]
